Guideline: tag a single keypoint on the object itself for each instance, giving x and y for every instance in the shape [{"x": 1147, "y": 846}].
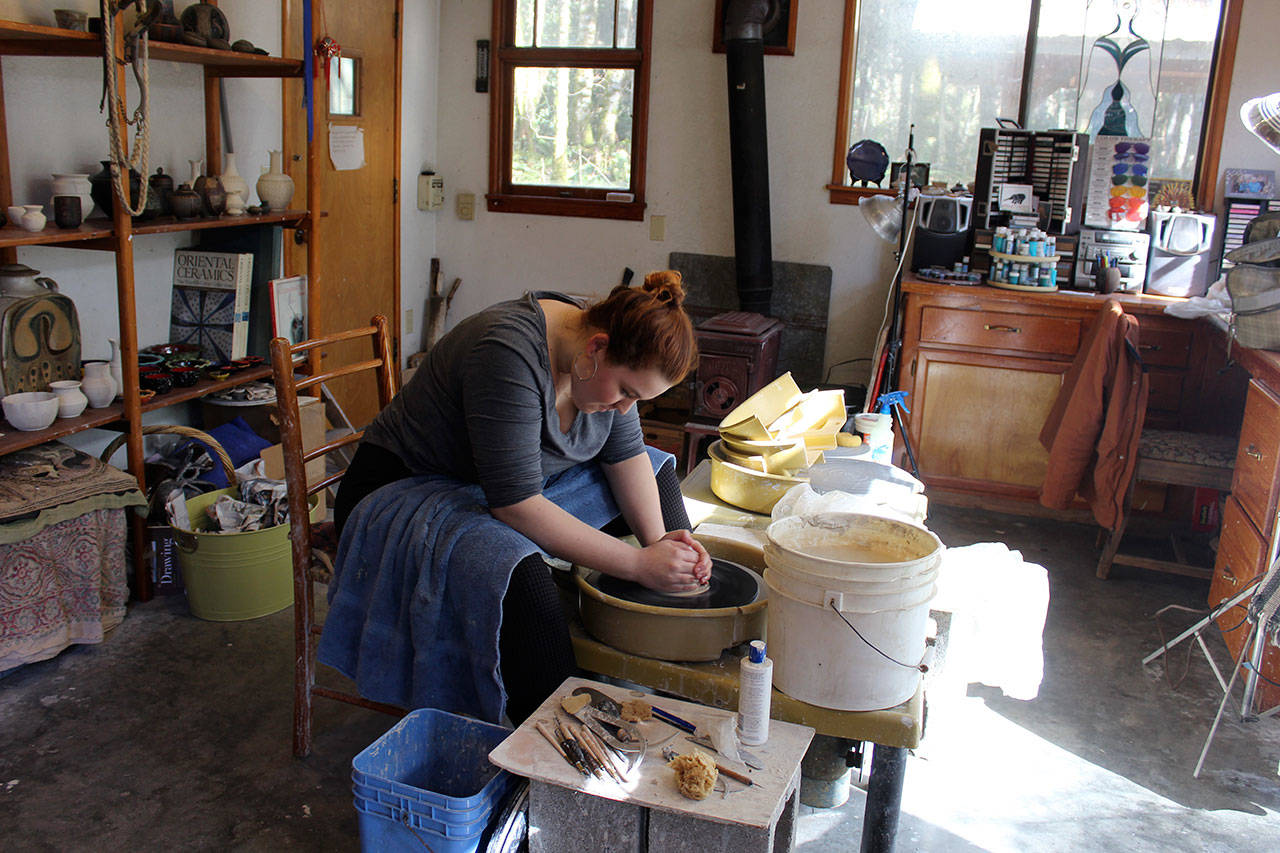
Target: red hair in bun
[{"x": 647, "y": 326}]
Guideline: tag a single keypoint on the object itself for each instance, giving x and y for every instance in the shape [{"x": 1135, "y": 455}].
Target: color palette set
[{"x": 1118, "y": 183}]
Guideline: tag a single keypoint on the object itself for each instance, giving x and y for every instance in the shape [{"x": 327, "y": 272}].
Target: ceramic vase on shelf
[
  {"x": 75, "y": 183},
  {"x": 102, "y": 190},
  {"x": 33, "y": 219},
  {"x": 162, "y": 186},
  {"x": 275, "y": 188},
  {"x": 184, "y": 202},
  {"x": 71, "y": 400},
  {"x": 235, "y": 204},
  {"x": 213, "y": 199},
  {"x": 117, "y": 369},
  {"x": 97, "y": 385},
  {"x": 232, "y": 182}
]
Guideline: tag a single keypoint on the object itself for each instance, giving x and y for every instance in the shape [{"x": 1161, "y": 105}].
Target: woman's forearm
[
  {"x": 562, "y": 535},
  {"x": 636, "y": 492}
]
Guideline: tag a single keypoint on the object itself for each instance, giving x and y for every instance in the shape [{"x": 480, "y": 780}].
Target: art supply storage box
[{"x": 428, "y": 784}]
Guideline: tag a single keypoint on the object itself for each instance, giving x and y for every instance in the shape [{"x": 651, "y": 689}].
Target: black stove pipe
[{"x": 749, "y": 152}]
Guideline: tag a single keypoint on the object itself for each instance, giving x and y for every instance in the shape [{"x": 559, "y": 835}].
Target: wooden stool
[
  {"x": 1173, "y": 458},
  {"x": 570, "y": 812}
]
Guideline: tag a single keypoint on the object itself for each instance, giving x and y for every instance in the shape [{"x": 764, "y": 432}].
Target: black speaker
[{"x": 937, "y": 249}]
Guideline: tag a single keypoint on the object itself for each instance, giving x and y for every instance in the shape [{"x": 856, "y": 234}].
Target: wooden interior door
[{"x": 356, "y": 215}]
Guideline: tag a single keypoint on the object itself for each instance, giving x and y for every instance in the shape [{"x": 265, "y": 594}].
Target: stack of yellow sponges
[{"x": 782, "y": 430}]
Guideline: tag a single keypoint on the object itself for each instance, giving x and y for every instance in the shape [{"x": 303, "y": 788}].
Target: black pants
[{"x": 534, "y": 644}]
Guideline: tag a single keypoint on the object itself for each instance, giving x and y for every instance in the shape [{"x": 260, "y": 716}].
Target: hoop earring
[{"x": 595, "y": 366}]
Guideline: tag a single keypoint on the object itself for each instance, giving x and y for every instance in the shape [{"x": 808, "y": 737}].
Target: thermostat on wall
[{"x": 430, "y": 191}]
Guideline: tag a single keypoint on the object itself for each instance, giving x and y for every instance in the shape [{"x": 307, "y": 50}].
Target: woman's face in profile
[{"x": 617, "y": 387}]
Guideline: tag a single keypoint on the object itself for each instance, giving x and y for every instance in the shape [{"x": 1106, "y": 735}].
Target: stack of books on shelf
[{"x": 1240, "y": 211}]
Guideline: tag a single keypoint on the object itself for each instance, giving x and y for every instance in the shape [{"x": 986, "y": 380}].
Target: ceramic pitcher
[{"x": 97, "y": 384}]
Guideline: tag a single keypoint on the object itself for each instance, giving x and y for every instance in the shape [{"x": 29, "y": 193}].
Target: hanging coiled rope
[{"x": 121, "y": 159}]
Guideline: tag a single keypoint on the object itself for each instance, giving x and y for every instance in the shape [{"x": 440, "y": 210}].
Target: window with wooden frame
[
  {"x": 568, "y": 110},
  {"x": 951, "y": 67}
]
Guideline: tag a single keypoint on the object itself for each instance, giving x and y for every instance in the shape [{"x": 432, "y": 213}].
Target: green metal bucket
[{"x": 235, "y": 576}]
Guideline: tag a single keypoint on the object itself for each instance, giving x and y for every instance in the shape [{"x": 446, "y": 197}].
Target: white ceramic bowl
[{"x": 30, "y": 410}]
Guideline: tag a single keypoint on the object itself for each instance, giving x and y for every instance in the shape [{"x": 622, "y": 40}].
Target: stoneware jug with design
[{"x": 275, "y": 188}]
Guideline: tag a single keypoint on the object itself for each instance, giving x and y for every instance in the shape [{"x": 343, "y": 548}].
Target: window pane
[
  {"x": 572, "y": 127},
  {"x": 1166, "y": 74},
  {"x": 951, "y": 66},
  {"x": 524, "y": 23},
  {"x": 627, "y": 23},
  {"x": 575, "y": 23}
]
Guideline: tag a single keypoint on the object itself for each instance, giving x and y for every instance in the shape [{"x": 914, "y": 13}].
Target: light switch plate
[{"x": 466, "y": 205}]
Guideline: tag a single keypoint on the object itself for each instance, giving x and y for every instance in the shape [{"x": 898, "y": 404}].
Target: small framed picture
[
  {"x": 779, "y": 30},
  {"x": 919, "y": 174},
  {"x": 1249, "y": 183},
  {"x": 1017, "y": 198},
  {"x": 289, "y": 308}
]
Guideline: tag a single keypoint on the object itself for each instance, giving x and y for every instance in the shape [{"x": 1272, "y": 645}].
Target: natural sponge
[
  {"x": 636, "y": 711},
  {"x": 695, "y": 774}
]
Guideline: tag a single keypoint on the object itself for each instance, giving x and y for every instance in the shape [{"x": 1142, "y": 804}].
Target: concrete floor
[{"x": 174, "y": 734}]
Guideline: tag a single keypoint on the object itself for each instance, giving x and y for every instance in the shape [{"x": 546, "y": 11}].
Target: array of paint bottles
[{"x": 1025, "y": 243}]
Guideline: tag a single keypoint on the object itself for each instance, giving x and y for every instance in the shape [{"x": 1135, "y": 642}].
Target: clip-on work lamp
[{"x": 886, "y": 215}]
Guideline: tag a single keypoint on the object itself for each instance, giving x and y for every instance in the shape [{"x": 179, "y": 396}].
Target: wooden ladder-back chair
[{"x": 314, "y": 547}]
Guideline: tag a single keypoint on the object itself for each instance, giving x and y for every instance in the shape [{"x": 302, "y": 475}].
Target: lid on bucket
[{"x": 756, "y": 651}]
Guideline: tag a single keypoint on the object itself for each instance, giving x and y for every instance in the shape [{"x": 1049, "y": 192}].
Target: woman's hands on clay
[{"x": 675, "y": 563}]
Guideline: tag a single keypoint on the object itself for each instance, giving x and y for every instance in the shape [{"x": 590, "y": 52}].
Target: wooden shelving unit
[{"x": 116, "y": 235}]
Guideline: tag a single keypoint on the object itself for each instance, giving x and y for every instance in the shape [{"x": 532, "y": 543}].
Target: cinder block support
[{"x": 561, "y": 819}]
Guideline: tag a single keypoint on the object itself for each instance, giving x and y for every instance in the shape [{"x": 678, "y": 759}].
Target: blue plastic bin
[{"x": 428, "y": 779}]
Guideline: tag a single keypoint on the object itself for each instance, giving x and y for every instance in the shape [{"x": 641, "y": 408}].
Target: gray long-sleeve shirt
[{"x": 481, "y": 408}]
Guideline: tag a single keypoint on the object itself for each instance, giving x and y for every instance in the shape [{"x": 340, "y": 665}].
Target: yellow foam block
[
  {"x": 817, "y": 411},
  {"x": 747, "y": 420}
]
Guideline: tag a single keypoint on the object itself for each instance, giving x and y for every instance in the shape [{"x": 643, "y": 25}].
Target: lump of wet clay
[{"x": 695, "y": 774}]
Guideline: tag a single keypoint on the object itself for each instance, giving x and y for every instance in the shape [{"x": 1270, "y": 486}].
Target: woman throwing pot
[{"x": 518, "y": 435}]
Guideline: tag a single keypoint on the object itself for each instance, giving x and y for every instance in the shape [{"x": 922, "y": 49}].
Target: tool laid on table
[
  {"x": 543, "y": 730},
  {"x": 745, "y": 757},
  {"x": 600, "y": 714}
]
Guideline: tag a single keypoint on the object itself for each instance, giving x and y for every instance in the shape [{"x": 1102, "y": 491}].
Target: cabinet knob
[
  {"x": 1013, "y": 329},
  {"x": 1253, "y": 452}
]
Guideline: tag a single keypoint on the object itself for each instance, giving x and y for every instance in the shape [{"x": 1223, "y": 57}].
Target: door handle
[
  {"x": 1012, "y": 329},
  {"x": 1253, "y": 452},
  {"x": 1228, "y": 575}
]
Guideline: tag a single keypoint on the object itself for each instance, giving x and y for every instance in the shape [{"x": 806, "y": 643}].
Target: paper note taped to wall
[{"x": 346, "y": 146}]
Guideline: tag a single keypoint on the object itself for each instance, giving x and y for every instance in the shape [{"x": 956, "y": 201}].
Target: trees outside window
[{"x": 569, "y": 107}]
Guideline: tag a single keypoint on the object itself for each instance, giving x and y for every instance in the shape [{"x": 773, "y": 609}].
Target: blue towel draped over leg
[{"x": 415, "y": 604}]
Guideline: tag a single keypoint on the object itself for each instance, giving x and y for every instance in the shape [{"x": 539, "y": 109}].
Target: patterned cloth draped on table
[{"x": 62, "y": 551}]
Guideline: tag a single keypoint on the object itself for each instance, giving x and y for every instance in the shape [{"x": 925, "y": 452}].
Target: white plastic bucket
[{"x": 832, "y": 571}]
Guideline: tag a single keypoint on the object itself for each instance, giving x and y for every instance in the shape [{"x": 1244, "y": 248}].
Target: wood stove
[{"x": 737, "y": 356}]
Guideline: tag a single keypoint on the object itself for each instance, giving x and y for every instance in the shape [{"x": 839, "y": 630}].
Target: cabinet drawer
[
  {"x": 1241, "y": 558},
  {"x": 1166, "y": 390},
  {"x": 996, "y": 330},
  {"x": 1162, "y": 346},
  {"x": 1254, "y": 483}
]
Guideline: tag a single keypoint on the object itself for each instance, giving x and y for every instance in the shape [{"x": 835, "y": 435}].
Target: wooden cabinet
[
  {"x": 117, "y": 235},
  {"x": 1248, "y": 526},
  {"x": 983, "y": 368}
]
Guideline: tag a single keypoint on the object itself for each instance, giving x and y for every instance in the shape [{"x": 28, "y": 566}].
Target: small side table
[
  {"x": 696, "y": 432},
  {"x": 568, "y": 811}
]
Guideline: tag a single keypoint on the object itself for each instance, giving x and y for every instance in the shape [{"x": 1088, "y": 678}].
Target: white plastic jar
[{"x": 877, "y": 433}]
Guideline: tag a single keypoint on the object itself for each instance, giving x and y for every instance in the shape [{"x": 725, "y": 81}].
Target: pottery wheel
[{"x": 731, "y": 586}]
